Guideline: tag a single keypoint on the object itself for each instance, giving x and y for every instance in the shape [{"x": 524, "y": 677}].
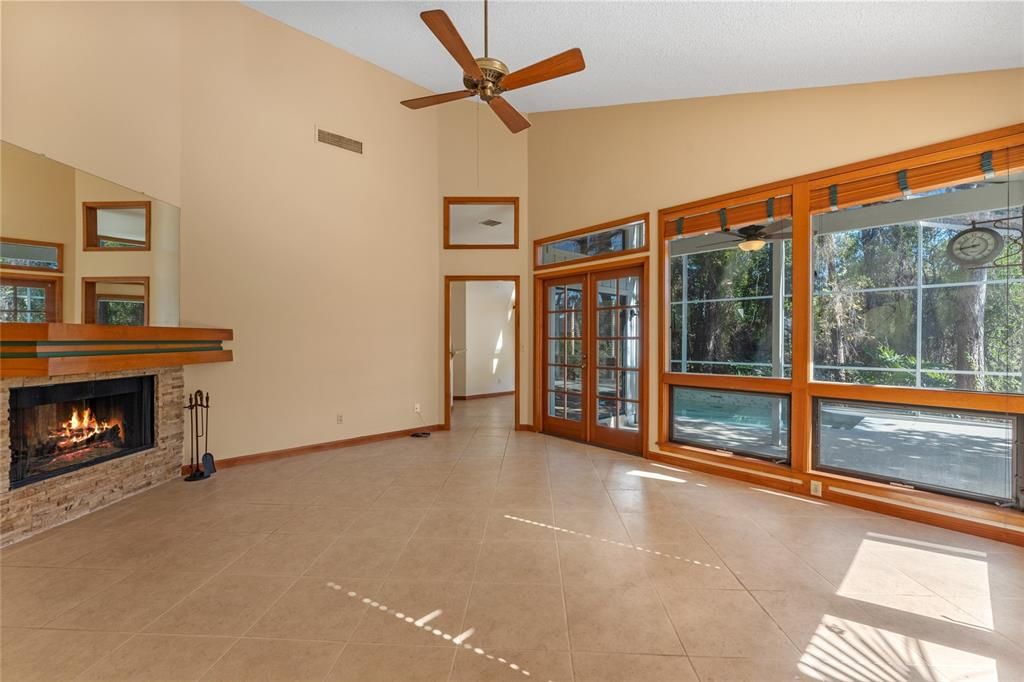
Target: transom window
[
  {"x": 615, "y": 238},
  {"x": 29, "y": 254}
]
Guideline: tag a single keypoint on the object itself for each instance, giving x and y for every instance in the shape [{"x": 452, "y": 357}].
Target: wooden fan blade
[
  {"x": 431, "y": 100},
  {"x": 443, "y": 28},
  {"x": 560, "y": 65},
  {"x": 512, "y": 119}
]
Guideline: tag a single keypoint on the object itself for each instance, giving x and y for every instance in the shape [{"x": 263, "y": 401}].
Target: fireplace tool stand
[{"x": 199, "y": 414}]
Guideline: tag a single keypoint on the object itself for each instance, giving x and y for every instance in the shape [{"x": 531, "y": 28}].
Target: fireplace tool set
[{"x": 199, "y": 413}]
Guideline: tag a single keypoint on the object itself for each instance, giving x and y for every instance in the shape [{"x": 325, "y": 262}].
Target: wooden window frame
[
  {"x": 58, "y": 291},
  {"x": 932, "y": 166},
  {"x": 538, "y": 243},
  {"x": 33, "y": 242},
  {"x": 90, "y": 238},
  {"x": 90, "y": 298},
  {"x": 450, "y": 201}
]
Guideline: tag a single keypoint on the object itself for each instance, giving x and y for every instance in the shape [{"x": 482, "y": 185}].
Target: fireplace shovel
[{"x": 203, "y": 465}]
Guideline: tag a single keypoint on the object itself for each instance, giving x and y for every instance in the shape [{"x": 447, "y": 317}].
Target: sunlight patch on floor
[
  {"x": 843, "y": 649},
  {"x": 655, "y": 476},
  {"x": 424, "y": 623}
]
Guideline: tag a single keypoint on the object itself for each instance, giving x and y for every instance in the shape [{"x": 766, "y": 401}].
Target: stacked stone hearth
[{"x": 35, "y": 507}]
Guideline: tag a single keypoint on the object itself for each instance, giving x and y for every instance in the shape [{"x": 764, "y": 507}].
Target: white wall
[{"x": 488, "y": 365}]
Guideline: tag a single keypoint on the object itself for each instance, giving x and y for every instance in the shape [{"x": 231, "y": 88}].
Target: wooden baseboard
[
  {"x": 526, "y": 427},
  {"x": 478, "y": 396},
  {"x": 259, "y": 457}
]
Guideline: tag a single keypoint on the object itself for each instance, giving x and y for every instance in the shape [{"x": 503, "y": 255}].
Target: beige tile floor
[{"x": 562, "y": 562}]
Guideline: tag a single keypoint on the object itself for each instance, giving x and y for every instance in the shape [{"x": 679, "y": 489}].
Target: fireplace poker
[{"x": 199, "y": 416}]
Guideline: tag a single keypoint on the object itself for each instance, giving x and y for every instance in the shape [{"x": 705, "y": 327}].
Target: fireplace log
[{"x": 57, "y": 444}]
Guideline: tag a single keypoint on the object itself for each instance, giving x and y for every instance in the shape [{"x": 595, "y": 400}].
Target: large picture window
[
  {"x": 730, "y": 308},
  {"x": 895, "y": 304},
  {"x": 875, "y": 312}
]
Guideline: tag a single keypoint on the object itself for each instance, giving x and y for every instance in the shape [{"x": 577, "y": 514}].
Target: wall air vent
[
  {"x": 336, "y": 140},
  {"x": 490, "y": 222}
]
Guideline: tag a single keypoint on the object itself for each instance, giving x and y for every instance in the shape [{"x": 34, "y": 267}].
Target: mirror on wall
[
  {"x": 481, "y": 222},
  {"x": 117, "y": 225},
  {"x": 77, "y": 248}
]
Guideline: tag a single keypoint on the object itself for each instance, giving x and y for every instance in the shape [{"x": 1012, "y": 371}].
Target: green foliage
[{"x": 868, "y": 287}]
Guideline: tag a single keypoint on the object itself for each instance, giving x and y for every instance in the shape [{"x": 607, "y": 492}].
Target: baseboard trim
[
  {"x": 526, "y": 427},
  {"x": 478, "y": 396},
  {"x": 259, "y": 457}
]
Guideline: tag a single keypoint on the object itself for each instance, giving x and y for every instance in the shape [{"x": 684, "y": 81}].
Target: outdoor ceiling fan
[
  {"x": 487, "y": 77},
  {"x": 755, "y": 237}
]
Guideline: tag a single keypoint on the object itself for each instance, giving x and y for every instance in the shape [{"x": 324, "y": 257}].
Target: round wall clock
[{"x": 976, "y": 246}]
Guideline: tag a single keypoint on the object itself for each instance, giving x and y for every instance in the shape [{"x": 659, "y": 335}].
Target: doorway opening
[
  {"x": 591, "y": 350},
  {"x": 481, "y": 351}
]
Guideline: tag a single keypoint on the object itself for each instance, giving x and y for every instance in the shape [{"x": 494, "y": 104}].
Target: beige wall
[
  {"x": 593, "y": 165},
  {"x": 319, "y": 259},
  {"x": 281, "y": 238},
  {"x": 37, "y": 201},
  {"x": 479, "y": 157},
  {"x": 588, "y": 166},
  {"x": 96, "y": 85}
]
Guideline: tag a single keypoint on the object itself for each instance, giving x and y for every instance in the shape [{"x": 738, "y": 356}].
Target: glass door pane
[
  {"x": 616, "y": 309},
  {"x": 565, "y": 357}
]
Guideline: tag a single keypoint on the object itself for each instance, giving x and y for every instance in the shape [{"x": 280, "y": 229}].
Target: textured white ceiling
[{"x": 646, "y": 51}]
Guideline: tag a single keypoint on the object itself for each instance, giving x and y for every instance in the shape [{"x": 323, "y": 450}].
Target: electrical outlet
[
  {"x": 816, "y": 488},
  {"x": 416, "y": 408},
  {"x": 341, "y": 418}
]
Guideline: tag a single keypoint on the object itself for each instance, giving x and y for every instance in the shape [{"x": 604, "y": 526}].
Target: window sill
[{"x": 978, "y": 518}]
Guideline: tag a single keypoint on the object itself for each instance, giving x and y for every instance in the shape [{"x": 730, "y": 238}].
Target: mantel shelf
[{"x": 55, "y": 349}]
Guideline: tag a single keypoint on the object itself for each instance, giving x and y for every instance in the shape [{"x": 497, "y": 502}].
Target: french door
[{"x": 593, "y": 357}]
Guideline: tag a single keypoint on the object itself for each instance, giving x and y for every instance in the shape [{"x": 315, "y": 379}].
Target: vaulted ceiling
[{"x": 646, "y": 51}]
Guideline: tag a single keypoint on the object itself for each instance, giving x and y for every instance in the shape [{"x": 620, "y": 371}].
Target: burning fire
[{"x": 81, "y": 427}]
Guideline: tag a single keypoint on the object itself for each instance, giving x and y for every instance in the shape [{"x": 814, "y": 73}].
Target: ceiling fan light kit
[
  {"x": 752, "y": 245},
  {"x": 486, "y": 77}
]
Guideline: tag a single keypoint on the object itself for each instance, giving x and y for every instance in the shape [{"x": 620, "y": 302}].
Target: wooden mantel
[{"x": 55, "y": 349}]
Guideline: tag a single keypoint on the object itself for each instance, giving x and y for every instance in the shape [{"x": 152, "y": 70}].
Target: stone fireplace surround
[{"x": 36, "y": 507}]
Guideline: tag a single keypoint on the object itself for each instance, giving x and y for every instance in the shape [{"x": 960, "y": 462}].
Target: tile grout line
[
  {"x": 472, "y": 582},
  {"x": 654, "y": 587}
]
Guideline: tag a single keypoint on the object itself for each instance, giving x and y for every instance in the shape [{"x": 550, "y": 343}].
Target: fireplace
[{"x": 63, "y": 427}]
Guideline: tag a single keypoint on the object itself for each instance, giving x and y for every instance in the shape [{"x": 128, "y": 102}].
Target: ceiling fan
[
  {"x": 755, "y": 237},
  {"x": 487, "y": 77}
]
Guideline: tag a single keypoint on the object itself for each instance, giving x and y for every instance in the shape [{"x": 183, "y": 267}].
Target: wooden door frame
[
  {"x": 539, "y": 278},
  {"x": 448, "y": 280}
]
